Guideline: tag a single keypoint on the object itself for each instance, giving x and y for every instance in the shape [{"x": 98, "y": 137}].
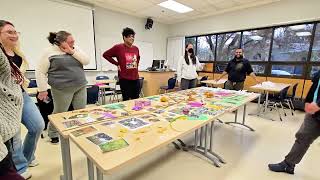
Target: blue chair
[
  {"x": 171, "y": 85},
  {"x": 33, "y": 83},
  {"x": 92, "y": 94},
  {"x": 102, "y": 77}
]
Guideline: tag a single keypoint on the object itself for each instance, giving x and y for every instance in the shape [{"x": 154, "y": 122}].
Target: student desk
[
  {"x": 267, "y": 87},
  {"x": 155, "y": 136}
]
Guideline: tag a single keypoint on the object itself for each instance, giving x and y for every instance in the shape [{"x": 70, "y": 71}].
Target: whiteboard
[
  {"x": 36, "y": 18},
  {"x": 145, "y": 50}
]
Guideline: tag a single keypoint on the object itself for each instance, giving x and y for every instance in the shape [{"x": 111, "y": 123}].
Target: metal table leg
[
  {"x": 99, "y": 174},
  {"x": 90, "y": 169},
  {"x": 243, "y": 119},
  {"x": 66, "y": 159}
]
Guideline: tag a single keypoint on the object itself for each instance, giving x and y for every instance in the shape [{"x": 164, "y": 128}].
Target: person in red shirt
[{"x": 127, "y": 59}]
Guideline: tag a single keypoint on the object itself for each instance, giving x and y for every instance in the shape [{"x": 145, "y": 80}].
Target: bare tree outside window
[
  {"x": 256, "y": 44},
  {"x": 206, "y": 48},
  {"x": 226, "y": 45}
]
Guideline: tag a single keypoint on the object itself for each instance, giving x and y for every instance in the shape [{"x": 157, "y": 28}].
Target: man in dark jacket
[
  {"x": 237, "y": 69},
  {"x": 308, "y": 132}
]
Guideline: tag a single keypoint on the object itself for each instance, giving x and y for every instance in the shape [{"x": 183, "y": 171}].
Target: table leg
[
  {"x": 66, "y": 159},
  {"x": 90, "y": 169},
  {"x": 243, "y": 119},
  {"x": 99, "y": 174}
]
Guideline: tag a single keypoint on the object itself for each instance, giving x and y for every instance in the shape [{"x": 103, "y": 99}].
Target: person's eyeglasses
[{"x": 12, "y": 33}]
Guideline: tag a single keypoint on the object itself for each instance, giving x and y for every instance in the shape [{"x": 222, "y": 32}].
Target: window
[
  {"x": 191, "y": 40},
  {"x": 314, "y": 69},
  {"x": 258, "y": 69},
  {"x": 287, "y": 70},
  {"x": 206, "y": 48},
  {"x": 226, "y": 45},
  {"x": 315, "y": 55},
  {"x": 256, "y": 44},
  {"x": 291, "y": 43}
]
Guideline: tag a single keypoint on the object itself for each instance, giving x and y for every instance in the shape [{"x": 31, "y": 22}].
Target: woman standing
[
  {"x": 187, "y": 68},
  {"x": 10, "y": 114},
  {"x": 61, "y": 66},
  {"x": 23, "y": 155}
]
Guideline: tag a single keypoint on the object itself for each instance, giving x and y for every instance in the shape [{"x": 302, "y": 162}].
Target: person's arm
[
  {"x": 81, "y": 56},
  {"x": 251, "y": 73},
  {"x": 198, "y": 64},
  {"x": 42, "y": 76},
  {"x": 109, "y": 54},
  {"x": 225, "y": 72},
  {"x": 179, "y": 69},
  {"x": 255, "y": 78}
]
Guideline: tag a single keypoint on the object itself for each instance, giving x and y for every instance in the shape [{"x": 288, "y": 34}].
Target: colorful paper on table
[
  {"x": 76, "y": 116},
  {"x": 99, "y": 138},
  {"x": 113, "y": 145},
  {"x": 83, "y": 131},
  {"x": 72, "y": 123},
  {"x": 201, "y": 117},
  {"x": 115, "y": 106},
  {"x": 134, "y": 123}
]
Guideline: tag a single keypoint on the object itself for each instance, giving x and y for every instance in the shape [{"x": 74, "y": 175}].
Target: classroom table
[
  {"x": 142, "y": 145},
  {"x": 267, "y": 87},
  {"x": 214, "y": 83},
  {"x": 32, "y": 91}
]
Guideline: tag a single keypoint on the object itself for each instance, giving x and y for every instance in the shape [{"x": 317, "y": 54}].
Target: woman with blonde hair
[{"x": 23, "y": 155}]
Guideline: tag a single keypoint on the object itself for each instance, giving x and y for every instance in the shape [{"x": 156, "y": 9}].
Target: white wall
[
  {"x": 283, "y": 12},
  {"x": 110, "y": 24}
]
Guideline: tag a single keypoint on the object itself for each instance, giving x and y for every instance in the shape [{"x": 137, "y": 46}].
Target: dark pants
[
  {"x": 129, "y": 88},
  {"x": 187, "y": 84},
  {"x": 308, "y": 132},
  {"x": 7, "y": 168},
  {"x": 234, "y": 85}
]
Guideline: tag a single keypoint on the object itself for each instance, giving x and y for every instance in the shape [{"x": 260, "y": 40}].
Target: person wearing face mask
[
  {"x": 237, "y": 69},
  {"x": 187, "y": 68},
  {"x": 61, "y": 66},
  {"x": 128, "y": 59}
]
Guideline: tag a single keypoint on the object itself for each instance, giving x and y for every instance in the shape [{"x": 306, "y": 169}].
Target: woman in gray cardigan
[{"x": 10, "y": 114}]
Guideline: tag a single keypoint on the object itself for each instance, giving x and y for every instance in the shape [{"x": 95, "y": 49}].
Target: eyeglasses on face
[{"x": 11, "y": 33}]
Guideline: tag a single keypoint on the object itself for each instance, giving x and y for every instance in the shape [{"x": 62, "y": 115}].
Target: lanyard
[{"x": 315, "y": 95}]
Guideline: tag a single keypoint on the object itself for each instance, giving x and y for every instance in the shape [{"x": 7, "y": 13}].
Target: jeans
[{"x": 31, "y": 118}]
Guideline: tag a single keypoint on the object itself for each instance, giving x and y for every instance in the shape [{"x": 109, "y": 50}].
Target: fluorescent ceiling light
[
  {"x": 303, "y": 33},
  {"x": 175, "y": 6},
  {"x": 297, "y": 27},
  {"x": 256, "y": 38}
]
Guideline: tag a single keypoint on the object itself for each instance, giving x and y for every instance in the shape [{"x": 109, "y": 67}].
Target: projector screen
[{"x": 36, "y": 18}]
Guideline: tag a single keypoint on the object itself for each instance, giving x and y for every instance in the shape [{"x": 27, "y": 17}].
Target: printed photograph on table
[
  {"x": 115, "y": 106},
  {"x": 83, "y": 131},
  {"x": 99, "y": 138},
  {"x": 133, "y": 123},
  {"x": 108, "y": 123},
  {"x": 113, "y": 145},
  {"x": 150, "y": 117},
  {"x": 71, "y": 124}
]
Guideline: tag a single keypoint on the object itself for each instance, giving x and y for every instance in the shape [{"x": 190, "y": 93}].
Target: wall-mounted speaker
[{"x": 149, "y": 24}]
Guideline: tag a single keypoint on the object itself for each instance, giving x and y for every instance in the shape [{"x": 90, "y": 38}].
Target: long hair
[
  {"x": 15, "y": 71},
  {"x": 192, "y": 56}
]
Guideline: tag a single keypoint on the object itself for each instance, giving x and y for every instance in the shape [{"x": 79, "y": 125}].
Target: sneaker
[
  {"x": 282, "y": 167},
  {"x": 54, "y": 140},
  {"x": 26, "y": 175},
  {"x": 34, "y": 163}
]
